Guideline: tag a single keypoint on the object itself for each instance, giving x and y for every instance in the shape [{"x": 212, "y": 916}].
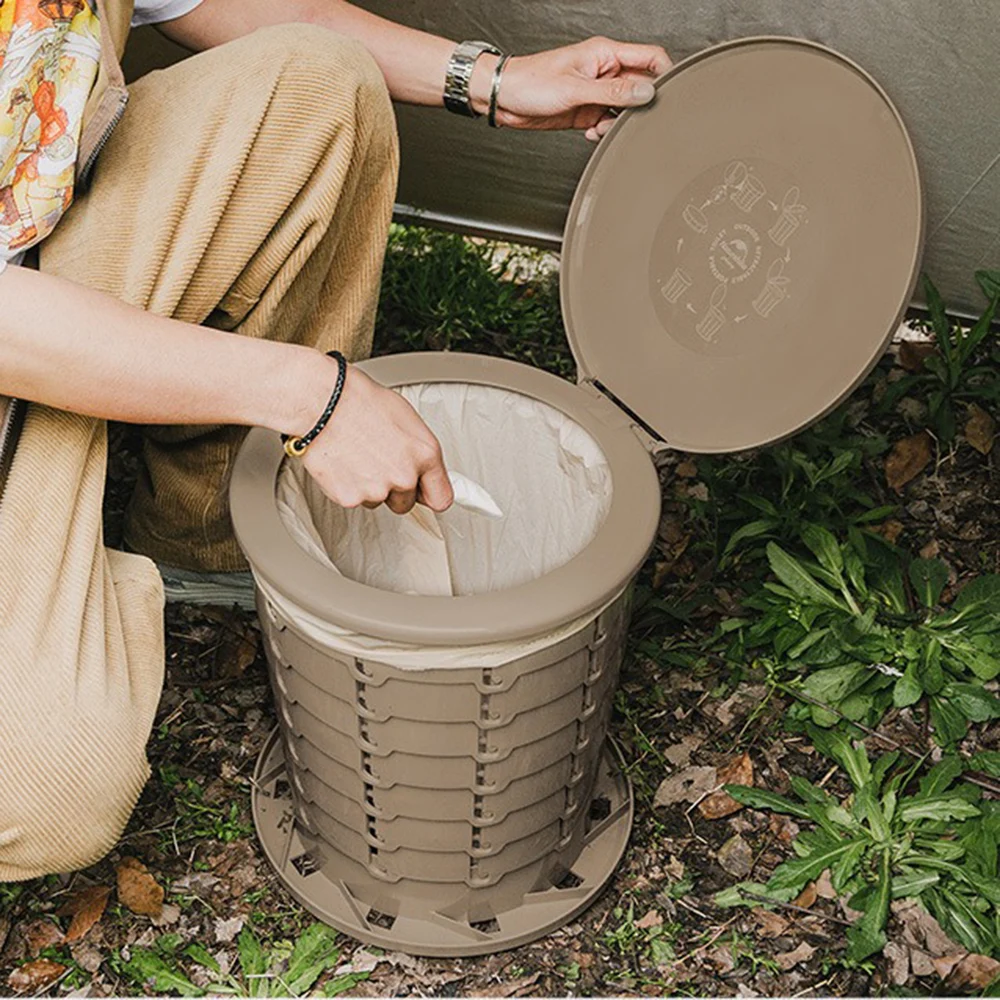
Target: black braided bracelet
[{"x": 295, "y": 447}]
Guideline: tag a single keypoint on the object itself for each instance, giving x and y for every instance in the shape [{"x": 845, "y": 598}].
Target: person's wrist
[
  {"x": 305, "y": 390},
  {"x": 481, "y": 82}
]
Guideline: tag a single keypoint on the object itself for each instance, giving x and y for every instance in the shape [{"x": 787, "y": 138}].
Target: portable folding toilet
[{"x": 736, "y": 259}]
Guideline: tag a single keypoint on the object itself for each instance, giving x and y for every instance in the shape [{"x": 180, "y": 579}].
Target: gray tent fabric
[{"x": 937, "y": 62}]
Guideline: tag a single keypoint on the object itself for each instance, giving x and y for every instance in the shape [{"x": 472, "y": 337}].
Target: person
[{"x": 245, "y": 190}]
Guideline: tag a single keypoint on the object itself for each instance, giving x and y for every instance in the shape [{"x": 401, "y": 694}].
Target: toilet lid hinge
[{"x": 616, "y": 414}]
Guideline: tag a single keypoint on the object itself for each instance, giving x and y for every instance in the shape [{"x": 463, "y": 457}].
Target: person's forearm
[
  {"x": 77, "y": 349},
  {"x": 412, "y": 62}
]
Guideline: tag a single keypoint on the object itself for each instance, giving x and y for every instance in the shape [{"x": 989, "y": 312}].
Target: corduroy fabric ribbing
[{"x": 249, "y": 188}]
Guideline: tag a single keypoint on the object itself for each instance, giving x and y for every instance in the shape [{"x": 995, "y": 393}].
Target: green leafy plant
[
  {"x": 773, "y": 493},
  {"x": 858, "y": 634},
  {"x": 937, "y": 845},
  {"x": 954, "y": 374},
  {"x": 441, "y": 291},
  {"x": 277, "y": 972}
]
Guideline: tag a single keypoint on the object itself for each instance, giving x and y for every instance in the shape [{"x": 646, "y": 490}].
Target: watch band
[{"x": 458, "y": 76}]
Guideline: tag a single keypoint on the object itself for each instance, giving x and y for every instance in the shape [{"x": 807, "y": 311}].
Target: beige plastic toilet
[{"x": 736, "y": 258}]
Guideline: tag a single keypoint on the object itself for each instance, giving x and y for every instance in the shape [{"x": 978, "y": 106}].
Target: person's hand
[
  {"x": 376, "y": 449},
  {"x": 578, "y": 86}
]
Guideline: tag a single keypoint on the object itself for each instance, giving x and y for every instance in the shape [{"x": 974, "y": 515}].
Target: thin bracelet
[
  {"x": 495, "y": 90},
  {"x": 295, "y": 447}
]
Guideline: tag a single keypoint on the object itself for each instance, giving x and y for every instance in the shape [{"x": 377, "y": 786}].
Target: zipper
[
  {"x": 84, "y": 176},
  {"x": 11, "y": 419}
]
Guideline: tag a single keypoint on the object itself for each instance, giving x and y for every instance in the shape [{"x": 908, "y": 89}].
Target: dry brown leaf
[
  {"x": 913, "y": 354},
  {"x": 973, "y": 973},
  {"x": 650, "y": 919},
  {"x": 679, "y": 754},
  {"x": 783, "y": 828},
  {"x": 237, "y": 651},
  {"x": 170, "y": 914},
  {"x": 514, "y": 987},
  {"x": 675, "y": 868},
  {"x": 921, "y": 930},
  {"x": 824, "y": 887},
  {"x": 920, "y": 962},
  {"x": 736, "y": 857},
  {"x": 980, "y": 429},
  {"x": 789, "y": 959},
  {"x": 898, "y": 956},
  {"x": 908, "y": 458},
  {"x": 39, "y": 935},
  {"x": 738, "y": 771},
  {"x": 770, "y": 924},
  {"x": 890, "y": 530},
  {"x": 226, "y": 930},
  {"x": 931, "y": 550},
  {"x": 943, "y": 964},
  {"x": 685, "y": 786},
  {"x": 741, "y": 702},
  {"x": 138, "y": 890},
  {"x": 86, "y": 955},
  {"x": 722, "y": 958},
  {"x": 807, "y": 897},
  {"x": 36, "y": 976},
  {"x": 86, "y": 907},
  {"x": 687, "y": 469}
]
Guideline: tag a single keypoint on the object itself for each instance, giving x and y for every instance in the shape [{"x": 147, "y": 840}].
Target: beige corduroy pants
[{"x": 248, "y": 188}]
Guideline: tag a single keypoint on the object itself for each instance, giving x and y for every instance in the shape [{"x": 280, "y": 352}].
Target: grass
[{"x": 442, "y": 292}]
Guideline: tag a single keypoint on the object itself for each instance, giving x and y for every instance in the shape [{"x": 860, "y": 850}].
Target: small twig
[
  {"x": 791, "y": 906},
  {"x": 708, "y": 944},
  {"x": 693, "y": 909},
  {"x": 810, "y": 989},
  {"x": 829, "y": 774}
]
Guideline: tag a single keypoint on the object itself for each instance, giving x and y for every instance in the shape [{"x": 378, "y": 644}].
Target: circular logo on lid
[{"x": 724, "y": 257}]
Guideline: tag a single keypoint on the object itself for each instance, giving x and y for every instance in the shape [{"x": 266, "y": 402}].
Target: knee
[
  {"x": 325, "y": 76},
  {"x": 61, "y": 821}
]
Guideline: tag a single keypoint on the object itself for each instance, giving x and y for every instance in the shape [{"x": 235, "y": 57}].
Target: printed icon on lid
[
  {"x": 714, "y": 319},
  {"x": 714, "y": 283},
  {"x": 774, "y": 291},
  {"x": 695, "y": 218},
  {"x": 746, "y": 188},
  {"x": 790, "y": 218},
  {"x": 677, "y": 284}
]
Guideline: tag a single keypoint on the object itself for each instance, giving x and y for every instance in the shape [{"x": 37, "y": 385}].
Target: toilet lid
[{"x": 739, "y": 253}]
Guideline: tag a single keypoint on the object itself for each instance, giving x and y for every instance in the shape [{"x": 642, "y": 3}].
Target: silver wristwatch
[{"x": 459, "y": 75}]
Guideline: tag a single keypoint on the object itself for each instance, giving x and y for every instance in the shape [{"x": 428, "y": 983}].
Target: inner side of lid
[{"x": 739, "y": 253}]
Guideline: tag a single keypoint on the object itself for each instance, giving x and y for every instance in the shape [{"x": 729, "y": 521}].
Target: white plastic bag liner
[{"x": 546, "y": 473}]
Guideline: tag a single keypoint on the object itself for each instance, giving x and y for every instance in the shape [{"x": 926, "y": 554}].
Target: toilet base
[{"x": 418, "y": 930}]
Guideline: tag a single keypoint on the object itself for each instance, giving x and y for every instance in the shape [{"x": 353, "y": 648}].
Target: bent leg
[
  {"x": 81, "y": 655},
  {"x": 249, "y": 188}
]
